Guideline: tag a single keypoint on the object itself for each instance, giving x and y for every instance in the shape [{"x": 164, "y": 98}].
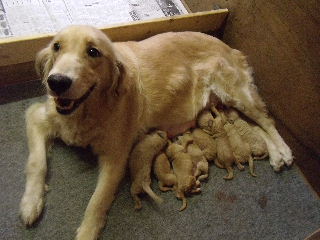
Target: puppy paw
[{"x": 30, "y": 208}]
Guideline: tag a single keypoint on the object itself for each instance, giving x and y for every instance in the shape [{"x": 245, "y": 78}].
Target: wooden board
[{"x": 17, "y": 53}]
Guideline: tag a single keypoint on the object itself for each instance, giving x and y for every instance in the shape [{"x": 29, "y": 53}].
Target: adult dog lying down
[{"x": 104, "y": 94}]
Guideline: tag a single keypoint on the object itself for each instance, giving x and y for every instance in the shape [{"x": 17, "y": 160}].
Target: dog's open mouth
[{"x": 66, "y": 106}]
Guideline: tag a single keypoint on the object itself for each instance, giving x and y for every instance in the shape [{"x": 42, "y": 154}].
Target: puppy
[
  {"x": 140, "y": 164},
  {"x": 164, "y": 173},
  {"x": 184, "y": 170},
  {"x": 199, "y": 161},
  {"x": 241, "y": 149},
  {"x": 214, "y": 126},
  {"x": 257, "y": 145},
  {"x": 205, "y": 141},
  {"x": 104, "y": 94}
]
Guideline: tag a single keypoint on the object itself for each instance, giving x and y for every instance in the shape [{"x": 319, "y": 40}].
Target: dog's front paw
[
  {"x": 87, "y": 233},
  {"x": 276, "y": 160},
  {"x": 30, "y": 208}
]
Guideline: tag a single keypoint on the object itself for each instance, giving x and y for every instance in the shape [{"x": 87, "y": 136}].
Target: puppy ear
[
  {"x": 118, "y": 75},
  {"x": 43, "y": 63}
]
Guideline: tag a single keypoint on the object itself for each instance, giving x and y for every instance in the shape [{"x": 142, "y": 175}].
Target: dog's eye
[
  {"x": 56, "y": 47},
  {"x": 93, "y": 52}
]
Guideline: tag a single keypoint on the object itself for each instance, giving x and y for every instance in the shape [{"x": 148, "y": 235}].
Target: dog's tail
[{"x": 146, "y": 187}]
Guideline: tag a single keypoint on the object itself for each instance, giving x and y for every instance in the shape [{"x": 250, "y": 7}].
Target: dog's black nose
[{"x": 59, "y": 83}]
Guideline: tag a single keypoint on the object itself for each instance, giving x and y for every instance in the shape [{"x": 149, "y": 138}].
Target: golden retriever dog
[{"x": 104, "y": 94}]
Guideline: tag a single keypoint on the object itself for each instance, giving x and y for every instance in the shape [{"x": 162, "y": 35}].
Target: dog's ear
[
  {"x": 43, "y": 62},
  {"x": 118, "y": 76}
]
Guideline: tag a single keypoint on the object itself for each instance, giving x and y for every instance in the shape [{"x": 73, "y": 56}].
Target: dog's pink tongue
[{"x": 175, "y": 130}]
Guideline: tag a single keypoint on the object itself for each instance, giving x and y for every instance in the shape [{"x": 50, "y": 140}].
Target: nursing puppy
[
  {"x": 104, "y": 94},
  {"x": 164, "y": 173},
  {"x": 140, "y": 165},
  {"x": 197, "y": 156},
  {"x": 184, "y": 170}
]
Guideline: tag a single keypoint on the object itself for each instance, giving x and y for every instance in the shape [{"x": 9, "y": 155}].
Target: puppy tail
[
  {"x": 184, "y": 204},
  {"x": 264, "y": 156},
  {"x": 146, "y": 187}
]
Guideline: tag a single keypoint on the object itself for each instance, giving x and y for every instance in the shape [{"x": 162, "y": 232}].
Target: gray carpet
[{"x": 271, "y": 206}]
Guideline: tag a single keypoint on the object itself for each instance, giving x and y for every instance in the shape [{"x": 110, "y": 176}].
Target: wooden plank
[
  {"x": 16, "y": 73},
  {"x": 20, "y": 50}
]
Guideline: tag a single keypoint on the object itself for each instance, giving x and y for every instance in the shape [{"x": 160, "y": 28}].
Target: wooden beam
[{"x": 21, "y": 51}]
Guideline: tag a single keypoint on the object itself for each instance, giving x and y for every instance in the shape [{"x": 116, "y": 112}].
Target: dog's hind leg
[
  {"x": 230, "y": 174},
  {"x": 251, "y": 167},
  {"x": 249, "y": 102},
  {"x": 135, "y": 190},
  {"x": 38, "y": 131}
]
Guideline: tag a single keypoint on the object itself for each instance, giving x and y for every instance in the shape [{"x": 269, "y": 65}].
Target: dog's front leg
[
  {"x": 112, "y": 170},
  {"x": 38, "y": 131}
]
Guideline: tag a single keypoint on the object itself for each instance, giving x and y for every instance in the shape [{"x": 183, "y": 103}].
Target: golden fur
[
  {"x": 183, "y": 168},
  {"x": 120, "y": 90},
  {"x": 214, "y": 126},
  {"x": 140, "y": 165},
  {"x": 257, "y": 145},
  {"x": 199, "y": 161},
  {"x": 206, "y": 143},
  {"x": 164, "y": 173},
  {"x": 241, "y": 150}
]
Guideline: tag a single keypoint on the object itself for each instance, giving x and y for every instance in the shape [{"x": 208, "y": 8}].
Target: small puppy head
[
  {"x": 172, "y": 149},
  {"x": 232, "y": 115},
  {"x": 185, "y": 139},
  {"x": 158, "y": 140},
  {"x": 78, "y": 61},
  {"x": 162, "y": 134},
  {"x": 206, "y": 121}
]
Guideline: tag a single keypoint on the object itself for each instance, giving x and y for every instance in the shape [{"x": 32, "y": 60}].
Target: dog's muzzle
[{"x": 66, "y": 106}]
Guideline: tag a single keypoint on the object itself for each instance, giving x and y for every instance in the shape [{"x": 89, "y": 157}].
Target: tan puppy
[
  {"x": 184, "y": 170},
  {"x": 140, "y": 164},
  {"x": 103, "y": 94},
  {"x": 241, "y": 149},
  {"x": 164, "y": 173},
  {"x": 206, "y": 143},
  {"x": 214, "y": 127},
  {"x": 197, "y": 156},
  {"x": 257, "y": 145}
]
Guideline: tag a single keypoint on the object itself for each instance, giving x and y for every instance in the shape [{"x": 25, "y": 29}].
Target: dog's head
[{"x": 78, "y": 61}]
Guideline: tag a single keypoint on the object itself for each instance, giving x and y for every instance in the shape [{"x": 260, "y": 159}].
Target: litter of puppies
[{"x": 180, "y": 164}]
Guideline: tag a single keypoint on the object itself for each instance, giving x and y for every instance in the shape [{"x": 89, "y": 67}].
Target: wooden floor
[{"x": 282, "y": 41}]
